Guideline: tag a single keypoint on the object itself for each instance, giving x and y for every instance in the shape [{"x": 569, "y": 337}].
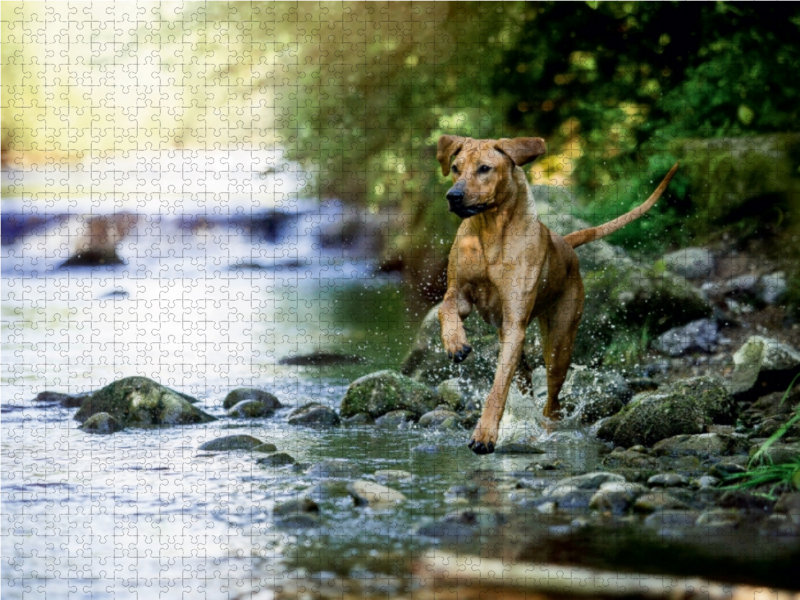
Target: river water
[{"x": 210, "y": 299}]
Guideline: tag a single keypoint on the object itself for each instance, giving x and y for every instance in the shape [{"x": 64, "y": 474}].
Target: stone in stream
[
  {"x": 386, "y": 391},
  {"x": 686, "y": 406},
  {"x": 65, "y": 400},
  {"x": 616, "y": 497},
  {"x": 703, "y": 445},
  {"x": 102, "y": 423},
  {"x": 314, "y": 414},
  {"x": 359, "y": 419},
  {"x": 440, "y": 419},
  {"x": 666, "y": 480},
  {"x": 138, "y": 401},
  {"x": 600, "y": 394},
  {"x": 240, "y": 394},
  {"x": 762, "y": 365},
  {"x": 396, "y": 419},
  {"x": 698, "y": 336},
  {"x": 279, "y": 459},
  {"x": 250, "y": 409},
  {"x": 232, "y": 442},
  {"x": 375, "y": 495}
]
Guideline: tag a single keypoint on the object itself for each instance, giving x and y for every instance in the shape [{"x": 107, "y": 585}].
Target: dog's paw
[
  {"x": 459, "y": 355},
  {"x": 480, "y": 447}
]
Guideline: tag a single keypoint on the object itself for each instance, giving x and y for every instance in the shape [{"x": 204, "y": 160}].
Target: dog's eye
[
  {"x": 454, "y": 169},
  {"x": 484, "y": 169}
]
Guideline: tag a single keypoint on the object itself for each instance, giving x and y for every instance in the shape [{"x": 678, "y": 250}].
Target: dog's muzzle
[{"x": 455, "y": 200}]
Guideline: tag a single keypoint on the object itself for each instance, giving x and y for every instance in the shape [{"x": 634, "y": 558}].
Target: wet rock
[
  {"x": 334, "y": 467},
  {"x": 616, "y": 496},
  {"x": 314, "y": 414},
  {"x": 691, "y": 263},
  {"x": 97, "y": 244},
  {"x": 587, "y": 481},
  {"x": 428, "y": 363},
  {"x": 771, "y": 288},
  {"x": 396, "y": 419},
  {"x": 698, "y": 336},
  {"x": 279, "y": 459},
  {"x": 298, "y": 521},
  {"x": 706, "y": 482},
  {"x": 780, "y": 454},
  {"x": 322, "y": 359},
  {"x": 359, "y": 419},
  {"x": 386, "y": 391},
  {"x": 719, "y": 516},
  {"x": 375, "y": 495},
  {"x": 250, "y": 409},
  {"x": 102, "y": 423},
  {"x": 683, "y": 407},
  {"x": 241, "y": 394},
  {"x": 629, "y": 459},
  {"x": 265, "y": 448},
  {"x": 299, "y": 506},
  {"x": 449, "y": 531},
  {"x": 600, "y": 394},
  {"x": 393, "y": 475},
  {"x": 667, "y": 480},
  {"x": 658, "y": 501},
  {"x": 520, "y": 447},
  {"x": 65, "y": 400},
  {"x": 670, "y": 521},
  {"x": 546, "y": 464},
  {"x": 721, "y": 470},
  {"x": 779, "y": 526},
  {"x": 231, "y": 442},
  {"x": 762, "y": 365},
  {"x": 440, "y": 419},
  {"x": 138, "y": 401},
  {"x": 702, "y": 445},
  {"x": 747, "y": 501},
  {"x": 459, "y": 394},
  {"x": 789, "y": 504}
]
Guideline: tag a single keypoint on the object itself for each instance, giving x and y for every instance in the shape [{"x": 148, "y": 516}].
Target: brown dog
[{"x": 511, "y": 268}]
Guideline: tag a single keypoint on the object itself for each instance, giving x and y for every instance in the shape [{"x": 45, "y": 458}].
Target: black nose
[{"x": 455, "y": 196}]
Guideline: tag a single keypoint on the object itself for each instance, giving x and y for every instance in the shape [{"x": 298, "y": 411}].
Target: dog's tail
[{"x": 584, "y": 236}]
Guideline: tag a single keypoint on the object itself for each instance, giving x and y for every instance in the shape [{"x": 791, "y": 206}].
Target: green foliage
[{"x": 761, "y": 471}]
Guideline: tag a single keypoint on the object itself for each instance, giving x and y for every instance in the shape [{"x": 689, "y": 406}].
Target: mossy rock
[
  {"x": 231, "y": 442},
  {"x": 385, "y": 391},
  {"x": 314, "y": 414},
  {"x": 600, "y": 394},
  {"x": 101, "y": 423},
  {"x": 138, "y": 401},
  {"x": 685, "y": 407},
  {"x": 240, "y": 394},
  {"x": 250, "y": 409}
]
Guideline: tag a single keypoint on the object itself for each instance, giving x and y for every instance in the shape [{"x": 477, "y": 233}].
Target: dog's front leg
[
  {"x": 455, "y": 307},
  {"x": 512, "y": 340}
]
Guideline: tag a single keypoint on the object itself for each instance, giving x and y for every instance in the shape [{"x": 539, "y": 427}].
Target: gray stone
[
  {"x": 387, "y": 391},
  {"x": 658, "y": 501},
  {"x": 780, "y": 454},
  {"x": 440, "y": 419},
  {"x": 706, "y": 482},
  {"x": 687, "y": 406},
  {"x": 587, "y": 481},
  {"x": 698, "y": 336},
  {"x": 101, "y": 423},
  {"x": 599, "y": 394},
  {"x": 789, "y": 504},
  {"x": 762, "y": 365},
  {"x": 397, "y": 419},
  {"x": 702, "y": 445},
  {"x": 240, "y": 394},
  {"x": 692, "y": 263},
  {"x": 314, "y": 415},
  {"x": 265, "y": 448},
  {"x": 375, "y": 495},
  {"x": 359, "y": 419},
  {"x": 616, "y": 496},
  {"x": 250, "y": 409},
  {"x": 667, "y": 480},
  {"x": 520, "y": 447},
  {"x": 138, "y": 401},
  {"x": 279, "y": 459},
  {"x": 231, "y": 442},
  {"x": 771, "y": 288},
  {"x": 303, "y": 505},
  {"x": 334, "y": 467},
  {"x": 719, "y": 516}
]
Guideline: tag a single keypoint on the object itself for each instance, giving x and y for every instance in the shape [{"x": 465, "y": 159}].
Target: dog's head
[{"x": 483, "y": 170}]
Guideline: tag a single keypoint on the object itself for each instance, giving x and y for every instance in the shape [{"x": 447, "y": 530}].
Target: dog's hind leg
[
  {"x": 524, "y": 375},
  {"x": 558, "y": 326}
]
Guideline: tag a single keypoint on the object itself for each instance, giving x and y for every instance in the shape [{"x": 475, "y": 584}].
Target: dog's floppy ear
[
  {"x": 522, "y": 150},
  {"x": 448, "y": 145}
]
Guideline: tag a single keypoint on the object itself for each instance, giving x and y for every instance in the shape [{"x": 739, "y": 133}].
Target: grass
[{"x": 761, "y": 471}]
